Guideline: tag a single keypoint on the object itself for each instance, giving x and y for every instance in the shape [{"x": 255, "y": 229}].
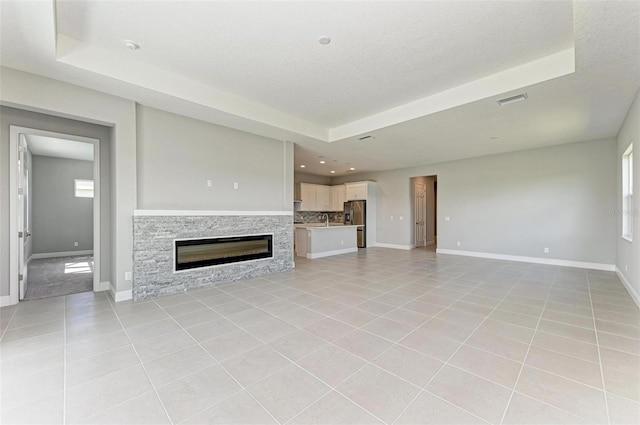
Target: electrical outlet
[
  {"x": 209, "y": 183},
  {"x": 546, "y": 250},
  {"x": 447, "y": 218},
  {"x": 235, "y": 185},
  {"x": 75, "y": 244},
  {"x": 626, "y": 268},
  {"x": 401, "y": 218},
  {"x": 459, "y": 243},
  {"x": 127, "y": 275}
]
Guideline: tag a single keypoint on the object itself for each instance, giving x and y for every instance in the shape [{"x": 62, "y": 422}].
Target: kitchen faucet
[{"x": 326, "y": 223}]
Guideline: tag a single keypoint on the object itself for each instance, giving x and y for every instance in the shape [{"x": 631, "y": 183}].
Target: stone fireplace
[{"x": 178, "y": 250}]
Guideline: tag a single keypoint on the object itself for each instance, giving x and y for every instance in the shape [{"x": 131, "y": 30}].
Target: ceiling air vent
[
  {"x": 512, "y": 99},
  {"x": 366, "y": 138}
]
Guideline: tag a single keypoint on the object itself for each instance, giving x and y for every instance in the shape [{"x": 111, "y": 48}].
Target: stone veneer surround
[{"x": 154, "y": 233}]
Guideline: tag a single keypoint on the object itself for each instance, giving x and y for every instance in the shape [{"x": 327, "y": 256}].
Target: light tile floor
[{"x": 383, "y": 336}]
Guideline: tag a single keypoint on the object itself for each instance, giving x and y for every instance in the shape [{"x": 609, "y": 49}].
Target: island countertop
[{"x": 313, "y": 226}]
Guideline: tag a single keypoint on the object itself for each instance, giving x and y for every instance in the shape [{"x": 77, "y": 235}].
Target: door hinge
[
  {"x": 21, "y": 148},
  {"x": 20, "y": 191},
  {"x": 20, "y": 278},
  {"x": 19, "y": 234}
]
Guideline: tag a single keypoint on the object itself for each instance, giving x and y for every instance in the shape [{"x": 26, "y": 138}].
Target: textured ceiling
[
  {"x": 421, "y": 77},
  {"x": 382, "y": 54}
]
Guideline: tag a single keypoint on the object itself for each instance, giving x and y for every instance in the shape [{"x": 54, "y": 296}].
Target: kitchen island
[{"x": 319, "y": 240}]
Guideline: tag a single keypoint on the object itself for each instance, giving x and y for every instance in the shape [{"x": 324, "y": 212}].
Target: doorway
[
  {"x": 54, "y": 214},
  {"x": 425, "y": 200}
]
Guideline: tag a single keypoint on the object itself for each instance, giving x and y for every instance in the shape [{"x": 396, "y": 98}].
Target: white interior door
[
  {"x": 22, "y": 214},
  {"x": 421, "y": 213}
]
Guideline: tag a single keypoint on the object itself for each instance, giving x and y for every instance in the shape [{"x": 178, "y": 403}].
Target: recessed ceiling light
[
  {"x": 132, "y": 45},
  {"x": 512, "y": 99},
  {"x": 303, "y": 166},
  {"x": 351, "y": 169},
  {"x": 332, "y": 172},
  {"x": 324, "y": 40},
  {"x": 323, "y": 161}
]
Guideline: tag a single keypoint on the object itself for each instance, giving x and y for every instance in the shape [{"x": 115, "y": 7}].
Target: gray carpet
[{"x": 52, "y": 277}]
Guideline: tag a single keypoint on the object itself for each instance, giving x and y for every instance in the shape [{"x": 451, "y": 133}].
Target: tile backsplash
[{"x": 316, "y": 216}]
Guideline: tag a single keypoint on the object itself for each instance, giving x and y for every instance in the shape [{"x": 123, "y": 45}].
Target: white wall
[
  {"x": 628, "y": 253},
  {"x": 300, "y": 177},
  {"x": 177, "y": 155},
  {"x": 514, "y": 203},
  {"x": 52, "y": 97},
  {"x": 59, "y": 218}
]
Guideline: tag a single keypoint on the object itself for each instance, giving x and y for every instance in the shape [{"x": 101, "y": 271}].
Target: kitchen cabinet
[
  {"x": 318, "y": 197},
  {"x": 297, "y": 196},
  {"x": 315, "y": 197},
  {"x": 356, "y": 191},
  {"x": 308, "y": 196},
  {"x": 338, "y": 197},
  {"x": 323, "y": 198}
]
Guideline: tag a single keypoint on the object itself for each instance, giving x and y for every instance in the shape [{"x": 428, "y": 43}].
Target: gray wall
[
  {"x": 13, "y": 116},
  {"x": 177, "y": 155},
  {"x": 59, "y": 218},
  {"x": 628, "y": 253},
  {"x": 514, "y": 203}
]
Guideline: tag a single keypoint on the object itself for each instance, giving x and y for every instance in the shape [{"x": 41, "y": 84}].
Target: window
[
  {"x": 627, "y": 194},
  {"x": 83, "y": 188}
]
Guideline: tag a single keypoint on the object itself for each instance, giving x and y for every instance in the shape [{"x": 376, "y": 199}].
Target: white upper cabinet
[
  {"x": 318, "y": 197},
  {"x": 323, "y": 198},
  {"x": 356, "y": 191},
  {"x": 308, "y": 196},
  {"x": 338, "y": 196}
]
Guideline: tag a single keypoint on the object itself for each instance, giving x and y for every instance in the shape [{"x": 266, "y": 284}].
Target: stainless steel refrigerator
[{"x": 355, "y": 213}]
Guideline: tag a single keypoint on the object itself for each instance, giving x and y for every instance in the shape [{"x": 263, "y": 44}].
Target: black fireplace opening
[{"x": 195, "y": 253}]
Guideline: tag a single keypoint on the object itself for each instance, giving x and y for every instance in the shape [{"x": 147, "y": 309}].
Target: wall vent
[{"x": 512, "y": 99}]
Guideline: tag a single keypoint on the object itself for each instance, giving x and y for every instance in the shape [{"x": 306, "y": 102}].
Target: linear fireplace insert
[{"x": 195, "y": 253}]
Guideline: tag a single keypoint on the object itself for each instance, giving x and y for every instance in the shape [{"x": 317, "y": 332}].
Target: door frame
[{"x": 14, "y": 242}]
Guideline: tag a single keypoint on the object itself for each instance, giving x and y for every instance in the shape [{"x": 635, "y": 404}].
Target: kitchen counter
[
  {"x": 324, "y": 226},
  {"x": 316, "y": 240}
]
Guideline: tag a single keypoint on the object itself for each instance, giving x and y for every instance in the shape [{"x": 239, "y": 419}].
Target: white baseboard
[
  {"x": 60, "y": 254},
  {"x": 634, "y": 295},
  {"x": 330, "y": 253},
  {"x": 394, "y": 246},
  {"x": 103, "y": 286},
  {"x": 5, "y": 300},
  {"x": 118, "y": 296},
  {"x": 535, "y": 260}
]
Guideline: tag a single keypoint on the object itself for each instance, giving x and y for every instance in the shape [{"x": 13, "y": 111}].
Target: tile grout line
[
  {"x": 524, "y": 360},
  {"x": 366, "y": 363},
  {"x": 446, "y": 362},
  {"x": 9, "y": 322},
  {"x": 242, "y": 387},
  {"x": 155, "y": 390},
  {"x": 595, "y": 331}
]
